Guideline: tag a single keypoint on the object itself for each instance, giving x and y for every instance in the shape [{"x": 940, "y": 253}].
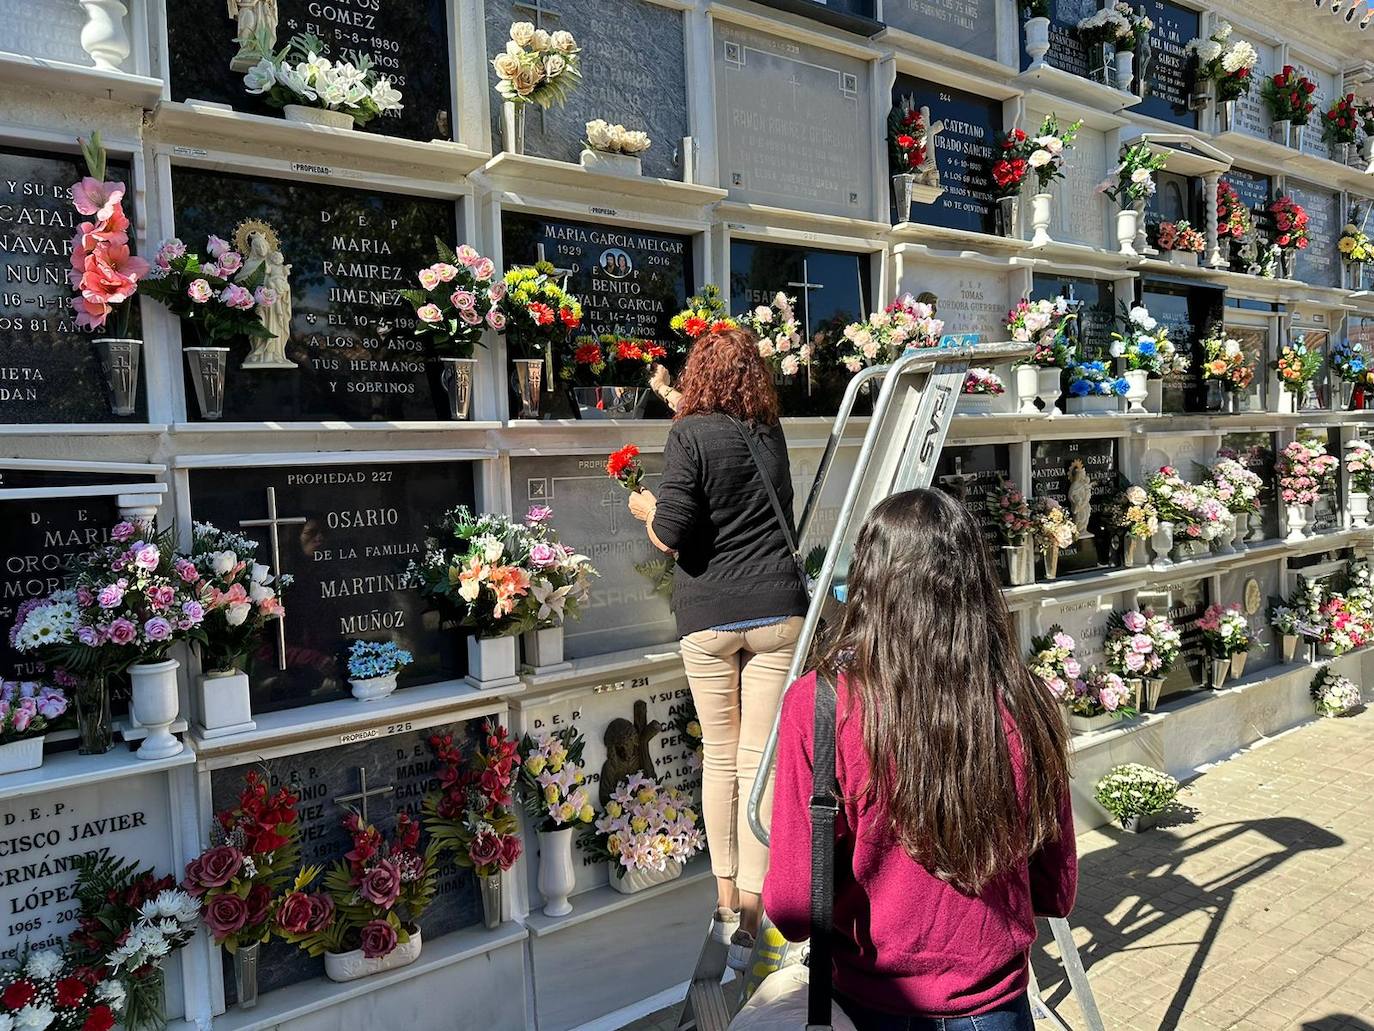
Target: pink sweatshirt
[{"x": 905, "y": 941}]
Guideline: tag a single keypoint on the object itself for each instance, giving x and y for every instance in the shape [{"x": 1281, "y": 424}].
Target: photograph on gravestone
[
  {"x": 381, "y": 775},
  {"x": 44, "y": 833},
  {"x": 1256, "y": 452},
  {"x": 640, "y": 86},
  {"x": 1097, "y": 311},
  {"x": 52, "y": 372},
  {"x": 969, "y": 26},
  {"x": 349, "y": 254},
  {"x": 1168, "y": 78},
  {"x": 345, "y": 533},
  {"x": 629, "y": 606},
  {"x": 831, "y": 290},
  {"x": 1184, "y": 603},
  {"x": 1052, "y": 469},
  {"x": 46, "y": 29},
  {"x": 408, "y": 41},
  {"x": 793, "y": 124},
  {"x": 1188, "y": 311},
  {"x": 970, "y": 474},
  {"x": 1067, "y": 51},
  {"x": 1320, "y": 263},
  {"x": 963, "y": 150}
]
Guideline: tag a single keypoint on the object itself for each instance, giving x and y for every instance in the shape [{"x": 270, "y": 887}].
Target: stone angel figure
[
  {"x": 257, "y": 30},
  {"x": 1080, "y": 496},
  {"x": 269, "y": 353}
]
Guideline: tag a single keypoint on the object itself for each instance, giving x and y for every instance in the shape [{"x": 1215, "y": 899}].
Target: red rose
[
  {"x": 906, "y": 142},
  {"x": 70, "y": 991},
  {"x": 293, "y": 915},
  {"x": 510, "y": 851},
  {"x": 1302, "y": 243},
  {"x": 382, "y": 884},
  {"x": 259, "y": 905},
  {"x": 18, "y": 995},
  {"x": 225, "y": 915},
  {"x": 321, "y": 911},
  {"x": 215, "y": 867},
  {"x": 485, "y": 849},
  {"x": 101, "y": 1018},
  {"x": 378, "y": 939}
]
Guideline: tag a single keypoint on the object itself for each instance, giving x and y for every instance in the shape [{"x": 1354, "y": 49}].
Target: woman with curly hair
[{"x": 738, "y": 594}]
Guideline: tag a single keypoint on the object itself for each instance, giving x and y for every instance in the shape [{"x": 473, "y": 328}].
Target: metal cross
[
  {"x": 615, "y": 497},
  {"x": 273, "y": 524},
  {"x": 806, "y": 286},
  {"x": 363, "y": 794},
  {"x": 561, "y": 274},
  {"x": 794, "y": 82}
]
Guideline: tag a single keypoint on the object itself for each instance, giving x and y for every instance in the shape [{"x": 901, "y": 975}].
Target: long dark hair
[
  {"x": 725, "y": 373},
  {"x": 932, "y": 659}
]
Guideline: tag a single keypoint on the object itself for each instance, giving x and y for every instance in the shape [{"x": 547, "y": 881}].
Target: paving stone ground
[{"x": 1251, "y": 907}]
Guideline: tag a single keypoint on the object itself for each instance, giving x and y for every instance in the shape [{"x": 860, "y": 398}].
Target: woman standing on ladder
[{"x": 724, "y": 507}]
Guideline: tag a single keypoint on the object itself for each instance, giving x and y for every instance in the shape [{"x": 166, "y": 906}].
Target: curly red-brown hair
[{"x": 725, "y": 373}]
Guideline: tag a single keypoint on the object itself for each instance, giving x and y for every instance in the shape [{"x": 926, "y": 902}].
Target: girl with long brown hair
[{"x": 955, "y": 829}]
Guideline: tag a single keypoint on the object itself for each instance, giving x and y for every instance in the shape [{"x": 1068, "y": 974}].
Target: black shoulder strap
[
  {"x": 825, "y": 806},
  {"x": 773, "y": 498}
]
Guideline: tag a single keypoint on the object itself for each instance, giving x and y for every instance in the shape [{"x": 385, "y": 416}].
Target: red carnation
[
  {"x": 18, "y": 995},
  {"x": 101, "y": 1018},
  {"x": 70, "y": 991},
  {"x": 906, "y": 142},
  {"x": 623, "y": 466}
]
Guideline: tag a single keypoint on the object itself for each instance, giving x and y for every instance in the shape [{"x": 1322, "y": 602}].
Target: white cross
[
  {"x": 561, "y": 274},
  {"x": 273, "y": 523},
  {"x": 806, "y": 286},
  {"x": 363, "y": 794},
  {"x": 794, "y": 82}
]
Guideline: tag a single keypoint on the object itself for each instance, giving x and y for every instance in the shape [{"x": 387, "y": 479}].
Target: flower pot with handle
[
  {"x": 1027, "y": 389},
  {"x": 1041, "y": 206},
  {"x": 557, "y": 876},
  {"x": 1137, "y": 391},
  {"x": 119, "y": 359},
  {"x": 369, "y": 689},
  {"x": 1222, "y": 544},
  {"x": 225, "y": 704},
  {"x": 105, "y": 35},
  {"x": 628, "y": 882},
  {"x": 155, "y": 698},
  {"x": 1037, "y": 39},
  {"x": 317, "y": 116},
  {"x": 24, "y": 754},
  {"x": 491, "y": 662},
  {"x": 1127, "y": 224},
  {"x": 349, "y": 966}
]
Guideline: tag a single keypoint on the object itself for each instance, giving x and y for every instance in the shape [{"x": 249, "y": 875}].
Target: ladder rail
[{"x": 842, "y": 417}]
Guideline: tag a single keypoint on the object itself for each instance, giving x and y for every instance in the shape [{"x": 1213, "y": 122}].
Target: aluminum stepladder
[{"x": 900, "y": 451}]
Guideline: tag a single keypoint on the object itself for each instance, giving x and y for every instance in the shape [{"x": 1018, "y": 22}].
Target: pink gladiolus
[
  {"x": 90, "y": 315},
  {"x": 92, "y": 197}
]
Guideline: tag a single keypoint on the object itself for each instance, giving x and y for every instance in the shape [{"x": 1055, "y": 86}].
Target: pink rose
[
  {"x": 429, "y": 279},
  {"x": 157, "y": 629},
  {"x": 235, "y": 296},
  {"x": 1142, "y": 644},
  {"x": 147, "y": 557},
  {"x": 377, "y": 939},
  {"x": 429, "y": 313},
  {"x": 199, "y": 291},
  {"x": 162, "y": 595},
  {"x": 122, "y": 632},
  {"x": 109, "y": 597},
  {"x": 470, "y": 316},
  {"x": 186, "y": 570},
  {"x": 22, "y": 715},
  {"x": 467, "y": 255},
  {"x": 382, "y": 884},
  {"x": 1072, "y": 667},
  {"x": 213, "y": 868},
  {"x": 483, "y": 270},
  {"x": 169, "y": 251},
  {"x": 496, "y": 320},
  {"x": 217, "y": 247},
  {"x": 1063, "y": 640},
  {"x": 543, "y": 555},
  {"x": 265, "y": 297},
  {"x": 538, "y": 514},
  {"x": 122, "y": 531},
  {"x": 1135, "y": 661},
  {"x": 225, "y": 915},
  {"x": 230, "y": 262},
  {"x": 444, "y": 271},
  {"x": 463, "y": 299},
  {"x": 497, "y": 291},
  {"x": 1134, "y": 621}
]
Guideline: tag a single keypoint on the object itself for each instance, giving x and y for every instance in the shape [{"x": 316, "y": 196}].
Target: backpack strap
[{"x": 824, "y": 808}]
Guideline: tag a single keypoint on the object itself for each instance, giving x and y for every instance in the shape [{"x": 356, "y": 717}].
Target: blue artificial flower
[
  {"x": 1120, "y": 386},
  {"x": 1147, "y": 347},
  {"x": 1357, "y": 365},
  {"x": 1080, "y": 388},
  {"x": 1097, "y": 366}
]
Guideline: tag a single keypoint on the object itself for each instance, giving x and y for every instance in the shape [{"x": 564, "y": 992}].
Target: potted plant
[
  {"x": 1098, "y": 699},
  {"x": 1144, "y": 345},
  {"x": 26, "y": 712},
  {"x": 1223, "y": 68},
  {"x": 1346, "y": 359},
  {"x": 47, "y": 981},
  {"x": 539, "y": 315},
  {"x": 904, "y": 324},
  {"x": 1136, "y": 794},
  {"x": 1341, "y": 126},
  {"x": 1093, "y": 389},
  {"x": 310, "y": 88},
  {"x": 982, "y": 389},
  {"x": 373, "y": 667},
  {"x": 535, "y": 67},
  {"x": 241, "y": 597},
  {"x": 1046, "y": 324},
  {"x": 105, "y": 275},
  {"x": 1228, "y": 639},
  {"x": 780, "y": 335},
  {"x": 1054, "y": 530},
  {"x": 1047, "y": 153},
  {"x": 1104, "y": 28},
  {"x": 1333, "y": 694},
  {"x": 1181, "y": 242},
  {"x": 1007, "y": 506},
  {"x": 646, "y": 834},
  {"x": 254, "y": 846},
  {"x": 1235, "y": 225},
  {"x": 559, "y": 586},
  {"x": 1135, "y": 515},
  {"x": 1288, "y": 95},
  {"x": 1225, "y": 370},
  {"x": 458, "y": 301},
  {"x": 1359, "y": 464},
  {"x": 1131, "y": 184},
  {"x": 1037, "y": 15},
  {"x": 1355, "y": 247},
  {"x": 1296, "y": 366},
  {"x": 1239, "y": 489},
  {"x": 613, "y": 148},
  {"x": 1142, "y": 646},
  {"x": 1290, "y": 223},
  {"x": 911, "y": 157},
  {"x": 1304, "y": 470},
  {"x": 609, "y": 375},
  {"x": 554, "y": 792},
  {"x": 469, "y": 816}
]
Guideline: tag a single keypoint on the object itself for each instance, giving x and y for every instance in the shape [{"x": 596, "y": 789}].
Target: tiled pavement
[{"x": 1250, "y": 908}]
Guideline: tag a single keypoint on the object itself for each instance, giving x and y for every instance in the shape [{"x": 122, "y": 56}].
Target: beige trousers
[{"x": 737, "y": 679}]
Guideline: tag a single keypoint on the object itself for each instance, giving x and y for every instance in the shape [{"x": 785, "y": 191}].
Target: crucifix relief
[
  {"x": 956, "y": 483},
  {"x": 363, "y": 794},
  {"x": 612, "y": 502},
  {"x": 561, "y": 274},
  {"x": 627, "y": 749},
  {"x": 930, "y": 168},
  {"x": 274, "y": 523}
]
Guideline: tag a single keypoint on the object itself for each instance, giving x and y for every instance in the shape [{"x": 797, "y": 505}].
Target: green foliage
[{"x": 93, "y": 152}]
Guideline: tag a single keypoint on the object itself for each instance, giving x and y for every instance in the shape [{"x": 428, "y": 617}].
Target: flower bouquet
[
  {"x": 539, "y": 315},
  {"x": 981, "y": 389},
  {"x": 706, "y": 312},
  {"x": 1180, "y": 238},
  {"x": 1238, "y": 488},
  {"x": 1291, "y": 624},
  {"x": 1093, "y": 388},
  {"x": 1304, "y": 472},
  {"x": 1297, "y": 366},
  {"x": 1136, "y": 794},
  {"x": 1228, "y": 639},
  {"x": 1009, "y": 170},
  {"x": 1131, "y": 184},
  {"x": 613, "y": 148},
  {"x": 1045, "y": 323},
  {"x": 908, "y": 154},
  {"x": 1354, "y": 245},
  {"x": 537, "y": 66},
  {"x": 1099, "y": 30},
  {"x": 1235, "y": 224},
  {"x": 1135, "y": 514},
  {"x": 1143, "y": 646},
  {"x": 1333, "y": 694},
  {"x": 779, "y": 334},
  {"x": 1291, "y": 226},
  {"x": 1341, "y": 123},
  {"x": 309, "y": 87},
  {"x": 646, "y": 834},
  {"x": 27, "y": 710},
  {"x": 1225, "y": 66},
  {"x": 1098, "y": 698},
  {"x": 1346, "y": 359},
  {"x": 553, "y": 790},
  {"x": 884, "y": 336},
  {"x": 1359, "y": 463},
  {"x": 373, "y": 667},
  {"x": 1224, "y": 362},
  {"x": 1052, "y": 660},
  {"x": 609, "y": 375},
  {"x": 1345, "y": 626},
  {"x": 47, "y": 992},
  {"x": 559, "y": 577},
  {"x": 1288, "y": 95},
  {"x": 1046, "y": 153},
  {"x": 1006, "y": 505},
  {"x": 1053, "y": 531}
]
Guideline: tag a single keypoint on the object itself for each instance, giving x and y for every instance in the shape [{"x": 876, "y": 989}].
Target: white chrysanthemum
[
  {"x": 1242, "y": 55},
  {"x": 1223, "y": 32},
  {"x": 43, "y": 965},
  {"x": 1208, "y": 51}
]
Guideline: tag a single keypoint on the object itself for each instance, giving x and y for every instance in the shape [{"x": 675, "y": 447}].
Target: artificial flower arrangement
[
  {"x": 1228, "y": 63},
  {"x": 1225, "y": 630},
  {"x": 368, "y": 660},
  {"x": 1045, "y": 323},
  {"x": 983, "y": 383},
  {"x": 1236, "y": 487},
  {"x": 104, "y": 273},
  {"x": 1224, "y": 360},
  {"x": 1132, "y": 790},
  {"x": 1289, "y": 96},
  {"x": 1054, "y": 528},
  {"x": 609, "y": 360},
  {"x": 1012, "y": 512},
  {"x": 616, "y": 139},
  {"x": 1354, "y": 244},
  {"x": 254, "y": 847},
  {"x": 706, "y": 312},
  {"x": 1180, "y": 236},
  {"x": 1234, "y": 221},
  {"x": 1052, "y": 660},
  {"x": 1133, "y": 179},
  {"x": 645, "y": 826},
  {"x": 475, "y": 570},
  {"x": 1048, "y": 150},
  {"x": 1105, "y": 26},
  {"x": 1333, "y": 694},
  {"x": 129, "y": 922},
  {"x": 553, "y": 781},
  {"x": 1347, "y": 359},
  {"x": 560, "y": 578},
  {"x": 1101, "y": 692},
  {"x": 1359, "y": 463},
  {"x": 906, "y": 138},
  {"x": 1341, "y": 121},
  {"x": 1193, "y": 509},
  {"x": 779, "y": 334},
  {"x": 1010, "y": 166},
  {"x": 470, "y": 814},
  {"x": 299, "y": 73},
  {"x": 1290, "y": 622},
  {"x": 239, "y": 594},
  {"x": 1145, "y": 345},
  {"x": 1142, "y": 643},
  {"x": 538, "y": 311},
  {"x": 1094, "y": 379},
  {"x": 1346, "y": 625},
  {"x": 1301, "y": 615},
  {"x": 537, "y": 66},
  {"x": 1297, "y": 364},
  {"x": 1290, "y": 222},
  {"x": 49, "y": 992},
  {"x": 28, "y": 709},
  {"x": 1304, "y": 471},
  {"x": 623, "y": 466},
  {"x": 1136, "y": 514},
  {"x": 458, "y": 300},
  {"x": 1141, "y": 26},
  {"x": 215, "y": 295},
  {"x": 905, "y": 323},
  {"x": 688, "y": 726}
]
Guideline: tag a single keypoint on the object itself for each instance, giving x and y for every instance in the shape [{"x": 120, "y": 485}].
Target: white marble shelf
[
  {"x": 1312, "y": 167},
  {"x": 23, "y": 69},
  {"x": 83, "y": 429},
  {"x": 300, "y": 1000},
  {"x": 522, "y": 173},
  {"x": 419, "y": 426},
  {"x": 1046, "y": 78},
  {"x": 64, "y": 771},
  {"x": 936, "y": 238},
  {"x": 814, "y": 227},
  {"x": 609, "y": 667},
  {"x": 603, "y": 900}
]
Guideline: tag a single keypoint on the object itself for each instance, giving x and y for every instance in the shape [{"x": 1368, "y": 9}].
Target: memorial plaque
[
  {"x": 44, "y": 833},
  {"x": 1320, "y": 263},
  {"x": 1188, "y": 311},
  {"x": 51, "y": 372},
  {"x": 1255, "y": 191},
  {"x": 1066, "y": 50},
  {"x": 1256, "y": 452},
  {"x": 969, "y": 300},
  {"x": 394, "y": 766},
  {"x": 1177, "y": 197},
  {"x": 1096, "y": 313},
  {"x": 793, "y": 123},
  {"x": 1252, "y": 113},
  {"x": 1312, "y": 142},
  {"x": 1086, "y": 622},
  {"x": 1050, "y": 477},
  {"x": 346, "y": 534},
  {"x": 351, "y": 252},
  {"x": 1255, "y": 343},
  {"x": 1077, "y": 214},
  {"x": 1184, "y": 603},
  {"x": 640, "y": 87},
  {"x": 969, "y": 26},
  {"x": 629, "y": 603},
  {"x": 970, "y": 474},
  {"x": 1168, "y": 78},
  {"x": 1235, "y": 590},
  {"x": 964, "y": 152},
  {"x": 408, "y": 41},
  {"x": 46, "y": 29}
]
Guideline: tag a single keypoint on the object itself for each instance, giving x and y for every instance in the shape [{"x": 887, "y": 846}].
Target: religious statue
[
  {"x": 1080, "y": 496},
  {"x": 257, "y": 31},
  {"x": 258, "y": 244},
  {"x": 627, "y": 749}
]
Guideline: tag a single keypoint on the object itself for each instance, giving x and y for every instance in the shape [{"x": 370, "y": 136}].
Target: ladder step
[{"x": 707, "y": 1005}]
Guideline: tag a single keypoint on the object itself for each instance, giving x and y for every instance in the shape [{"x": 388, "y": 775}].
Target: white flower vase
[
  {"x": 1041, "y": 205},
  {"x": 1223, "y": 541},
  {"x": 1090, "y": 724},
  {"x": 24, "y": 754},
  {"x": 627, "y": 165},
  {"x": 369, "y": 689},
  {"x": 1242, "y": 528},
  {"x": 105, "y": 36},
  {"x": 492, "y": 662},
  {"x": 1137, "y": 391},
  {"x": 1020, "y": 563},
  {"x": 349, "y": 966},
  {"x": 1290, "y": 647},
  {"x": 1219, "y": 669},
  {"x": 1137, "y": 552},
  {"x": 557, "y": 876},
  {"x": 317, "y": 116},
  {"x": 1285, "y": 401},
  {"x": 1127, "y": 224},
  {"x": 1297, "y": 522},
  {"x": 155, "y": 698},
  {"x": 1162, "y": 543},
  {"x": 1037, "y": 40},
  {"x": 1027, "y": 389},
  {"x": 543, "y": 648},
  {"x": 1359, "y": 509},
  {"x": 1125, "y": 70},
  {"x": 225, "y": 704},
  {"x": 1048, "y": 388},
  {"x": 1238, "y": 664},
  {"x": 631, "y": 881}
]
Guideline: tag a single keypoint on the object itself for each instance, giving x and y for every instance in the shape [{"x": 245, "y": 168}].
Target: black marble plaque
[
  {"x": 641, "y": 87},
  {"x": 350, "y": 252},
  {"x": 394, "y": 757},
  {"x": 1096, "y": 314},
  {"x": 408, "y": 41},
  {"x": 964, "y": 152},
  {"x": 51, "y": 371},
  {"x": 970, "y": 474},
  {"x": 629, "y": 603},
  {"x": 1320, "y": 263},
  {"x": 1256, "y": 452},
  {"x": 1177, "y": 197},
  {"x": 1184, "y": 603},
  {"x": 1168, "y": 78},
  {"x": 855, "y": 16},
  {"x": 1188, "y": 310},
  {"x": 1066, "y": 52},
  {"x": 969, "y": 26},
  {"x": 1050, "y": 462},
  {"x": 346, "y": 533}
]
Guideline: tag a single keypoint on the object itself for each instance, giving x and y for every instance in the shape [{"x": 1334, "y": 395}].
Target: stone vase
[
  {"x": 308, "y": 115},
  {"x": 105, "y": 35},
  {"x": 492, "y": 889},
  {"x": 225, "y": 704},
  {"x": 246, "y": 975},
  {"x": 1218, "y": 668},
  {"x": 1297, "y": 522},
  {"x": 1041, "y": 207},
  {"x": 628, "y": 882},
  {"x": 513, "y": 127},
  {"x": 628, "y": 165},
  {"x": 1290, "y": 647},
  {"x": 1137, "y": 391},
  {"x": 119, "y": 360},
  {"x": 902, "y": 185},
  {"x": 1009, "y": 216},
  {"x": 1090, "y": 724},
  {"x": 1238, "y": 664},
  {"x": 456, "y": 379},
  {"x": 24, "y": 754},
  {"x": 491, "y": 662},
  {"x": 1048, "y": 387},
  {"x": 1027, "y": 385},
  {"x": 1037, "y": 39},
  {"x": 557, "y": 876},
  {"x": 1020, "y": 563},
  {"x": 1162, "y": 543},
  {"x": 1137, "y": 552},
  {"x": 1242, "y": 528},
  {"x": 1127, "y": 224},
  {"x": 1223, "y": 543},
  {"x": 209, "y": 367},
  {"x": 155, "y": 698},
  {"x": 1050, "y": 557},
  {"x": 1187, "y": 550},
  {"x": 1125, "y": 70},
  {"x": 350, "y": 966},
  {"x": 543, "y": 647},
  {"x": 1359, "y": 509},
  {"x": 369, "y": 689}
]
